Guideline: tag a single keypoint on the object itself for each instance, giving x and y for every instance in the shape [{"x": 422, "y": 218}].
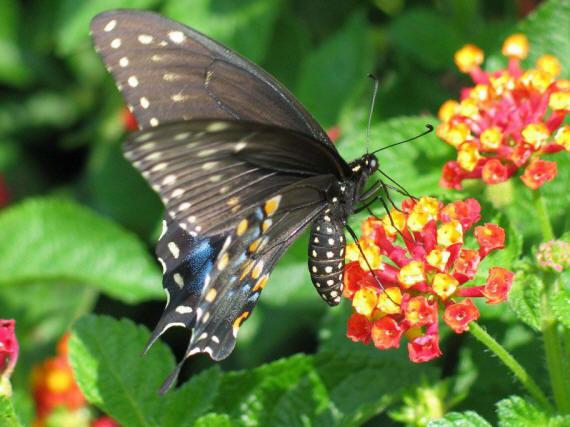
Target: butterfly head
[{"x": 365, "y": 166}]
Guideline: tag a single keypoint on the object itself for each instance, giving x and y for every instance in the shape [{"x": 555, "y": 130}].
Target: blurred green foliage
[{"x": 79, "y": 231}]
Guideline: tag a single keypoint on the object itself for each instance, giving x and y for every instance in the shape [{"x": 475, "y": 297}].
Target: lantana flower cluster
[
  {"x": 508, "y": 120},
  {"x": 419, "y": 256}
]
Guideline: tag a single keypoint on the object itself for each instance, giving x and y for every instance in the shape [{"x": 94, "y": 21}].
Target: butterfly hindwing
[{"x": 169, "y": 72}]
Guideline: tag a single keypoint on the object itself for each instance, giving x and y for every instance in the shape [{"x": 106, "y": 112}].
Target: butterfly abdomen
[{"x": 326, "y": 258}]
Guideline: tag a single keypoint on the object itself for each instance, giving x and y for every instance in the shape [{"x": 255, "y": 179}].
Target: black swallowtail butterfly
[{"x": 241, "y": 167}]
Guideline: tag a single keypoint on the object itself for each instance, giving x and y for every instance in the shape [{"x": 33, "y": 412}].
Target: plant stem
[
  {"x": 543, "y": 217},
  {"x": 555, "y": 361},
  {"x": 554, "y": 353},
  {"x": 509, "y": 361}
]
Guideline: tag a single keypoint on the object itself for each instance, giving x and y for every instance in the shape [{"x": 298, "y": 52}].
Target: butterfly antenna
[
  {"x": 429, "y": 129},
  {"x": 371, "y": 110}
]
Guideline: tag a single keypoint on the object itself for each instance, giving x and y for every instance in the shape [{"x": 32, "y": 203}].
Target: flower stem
[
  {"x": 509, "y": 361},
  {"x": 542, "y": 213},
  {"x": 555, "y": 360}
]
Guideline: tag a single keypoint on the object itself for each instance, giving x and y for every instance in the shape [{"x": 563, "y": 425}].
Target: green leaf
[
  {"x": 13, "y": 69},
  {"x": 74, "y": 19},
  {"x": 547, "y": 30},
  {"x": 413, "y": 34},
  {"x": 183, "y": 406},
  {"x": 331, "y": 74},
  {"x": 515, "y": 411},
  {"x": 106, "y": 358},
  {"x": 560, "y": 304},
  {"x": 460, "y": 419},
  {"x": 55, "y": 240},
  {"x": 524, "y": 299},
  {"x": 214, "y": 420},
  {"x": 39, "y": 325},
  {"x": 251, "y": 395},
  {"x": 244, "y": 26},
  {"x": 8, "y": 416}
]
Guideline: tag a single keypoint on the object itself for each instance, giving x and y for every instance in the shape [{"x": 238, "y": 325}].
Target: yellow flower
[
  {"x": 559, "y": 101},
  {"x": 516, "y": 46},
  {"x": 491, "y": 138},
  {"x": 444, "y": 285},
  {"x": 535, "y": 134},
  {"x": 389, "y": 300},
  {"x": 468, "y": 155},
  {"x": 411, "y": 274},
  {"x": 562, "y": 137},
  {"x": 447, "y": 110},
  {"x": 550, "y": 64},
  {"x": 468, "y": 57},
  {"x": 450, "y": 233},
  {"x": 438, "y": 258},
  {"x": 364, "y": 301}
]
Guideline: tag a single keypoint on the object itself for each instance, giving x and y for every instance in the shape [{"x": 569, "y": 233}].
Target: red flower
[
  {"x": 490, "y": 237},
  {"x": 419, "y": 312},
  {"x": 4, "y": 193},
  {"x": 419, "y": 258},
  {"x": 424, "y": 348},
  {"x": 458, "y": 315},
  {"x": 358, "y": 328},
  {"x": 129, "y": 120},
  {"x": 9, "y": 351},
  {"x": 334, "y": 133},
  {"x": 508, "y": 119},
  {"x": 386, "y": 333},
  {"x": 494, "y": 172},
  {"x": 498, "y": 284},
  {"x": 104, "y": 422},
  {"x": 538, "y": 172}
]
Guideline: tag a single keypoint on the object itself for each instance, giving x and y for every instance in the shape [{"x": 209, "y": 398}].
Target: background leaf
[
  {"x": 65, "y": 242},
  {"x": 7, "y": 415},
  {"x": 524, "y": 299},
  {"x": 460, "y": 419},
  {"x": 107, "y": 363}
]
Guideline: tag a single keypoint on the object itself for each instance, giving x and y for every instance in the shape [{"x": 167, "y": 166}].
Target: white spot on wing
[
  {"x": 183, "y": 309},
  {"x": 153, "y": 121},
  {"x": 176, "y": 36},
  {"x": 144, "y": 102},
  {"x": 164, "y": 229},
  {"x": 145, "y": 39},
  {"x": 124, "y": 61},
  {"x": 116, "y": 43},
  {"x": 178, "y": 279},
  {"x": 110, "y": 25},
  {"x": 174, "y": 250},
  {"x": 133, "y": 81}
]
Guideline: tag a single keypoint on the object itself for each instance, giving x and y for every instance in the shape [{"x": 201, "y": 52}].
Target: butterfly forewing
[{"x": 169, "y": 72}]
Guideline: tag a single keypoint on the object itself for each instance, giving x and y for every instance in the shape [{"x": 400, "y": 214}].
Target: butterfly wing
[
  {"x": 210, "y": 174},
  {"x": 169, "y": 72}
]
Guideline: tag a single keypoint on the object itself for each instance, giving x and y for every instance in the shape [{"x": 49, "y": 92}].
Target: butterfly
[{"x": 241, "y": 167}]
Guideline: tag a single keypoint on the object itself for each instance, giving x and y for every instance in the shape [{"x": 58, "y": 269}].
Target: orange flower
[
  {"x": 386, "y": 333},
  {"x": 538, "y": 172},
  {"x": 498, "y": 284},
  {"x": 424, "y": 348},
  {"x": 457, "y": 316}
]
